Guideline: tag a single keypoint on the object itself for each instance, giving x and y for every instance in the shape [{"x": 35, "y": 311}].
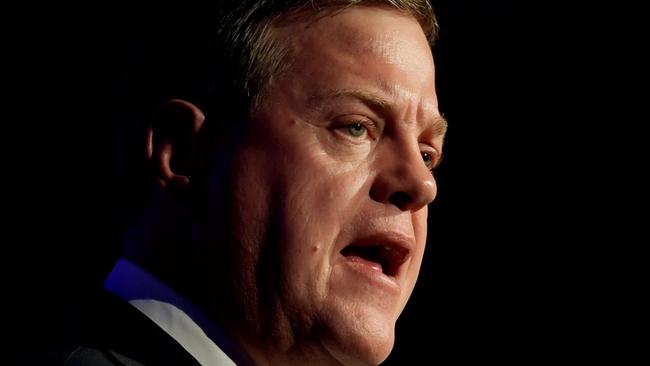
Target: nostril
[{"x": 401, "y": 199}]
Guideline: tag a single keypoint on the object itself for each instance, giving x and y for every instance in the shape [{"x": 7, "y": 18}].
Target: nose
[{"x": 403, "y": 179}]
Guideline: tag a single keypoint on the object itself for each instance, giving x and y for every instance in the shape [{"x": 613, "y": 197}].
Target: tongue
[{"x": 374, "y": 265}]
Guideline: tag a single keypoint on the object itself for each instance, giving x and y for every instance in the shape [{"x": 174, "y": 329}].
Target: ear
[{"x": 172, "y": 140}]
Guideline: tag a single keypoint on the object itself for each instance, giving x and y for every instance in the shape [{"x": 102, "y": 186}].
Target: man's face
[{"x": 334, "y": 179}]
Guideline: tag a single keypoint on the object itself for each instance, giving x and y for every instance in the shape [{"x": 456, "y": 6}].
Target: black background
[{"x": 523, "y": 262}]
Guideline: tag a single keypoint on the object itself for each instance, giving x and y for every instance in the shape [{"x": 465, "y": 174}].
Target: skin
[
  {"x": 334, "y": 155},
  {"x": 308, "y": 184}
]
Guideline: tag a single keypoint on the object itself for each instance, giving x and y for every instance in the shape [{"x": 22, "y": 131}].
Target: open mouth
[{"x": 383, "y": 258}]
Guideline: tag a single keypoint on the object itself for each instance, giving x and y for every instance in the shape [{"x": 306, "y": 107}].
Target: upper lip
[{"x": 391, "y": 249}]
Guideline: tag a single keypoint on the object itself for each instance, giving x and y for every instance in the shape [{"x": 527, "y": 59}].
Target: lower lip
[{"x": 372, "y": 271}]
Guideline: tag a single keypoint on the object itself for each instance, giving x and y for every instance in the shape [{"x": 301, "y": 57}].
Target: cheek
[
  {"x": 319, "y": 197},
  {"x": 320, "y": 191},
  {"x": 250, "y": 195}
]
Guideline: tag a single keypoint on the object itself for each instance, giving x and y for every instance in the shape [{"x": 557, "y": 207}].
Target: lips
[{"x": 385, "y": 253}]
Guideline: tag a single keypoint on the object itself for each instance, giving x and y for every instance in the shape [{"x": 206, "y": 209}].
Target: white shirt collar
[{"x": 183, "y": 321}]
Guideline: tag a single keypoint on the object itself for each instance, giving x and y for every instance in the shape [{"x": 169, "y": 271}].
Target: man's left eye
[
  {"x": 428, "y": 160},
  {"x": 356, "y": 130}
]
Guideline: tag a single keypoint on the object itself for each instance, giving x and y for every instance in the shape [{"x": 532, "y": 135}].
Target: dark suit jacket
[{"x": 112, "y": 333}]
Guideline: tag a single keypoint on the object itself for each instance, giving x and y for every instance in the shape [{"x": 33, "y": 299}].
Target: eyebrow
[{"x": 438, "y": 123}]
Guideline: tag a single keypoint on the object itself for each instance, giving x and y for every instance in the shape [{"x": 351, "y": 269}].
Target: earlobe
[{"x": 172, "y": 139}]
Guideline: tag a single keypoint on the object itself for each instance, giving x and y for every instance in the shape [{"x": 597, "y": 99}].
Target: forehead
[
  {"x": 372, "y": 48},
  {"x": 387, "y": 35},
  {"x": 376, "y": 29}
]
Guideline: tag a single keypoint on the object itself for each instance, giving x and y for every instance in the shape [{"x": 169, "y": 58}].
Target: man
[{"x": 287, "y": 220}]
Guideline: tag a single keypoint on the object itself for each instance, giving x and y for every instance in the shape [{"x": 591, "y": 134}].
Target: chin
[{"x": 365, "y": 342}]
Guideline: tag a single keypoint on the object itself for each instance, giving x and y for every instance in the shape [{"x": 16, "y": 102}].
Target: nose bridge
[{"x": 403, "y": 180}]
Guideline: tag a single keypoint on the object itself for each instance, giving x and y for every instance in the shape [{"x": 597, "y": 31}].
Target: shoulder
[
  {"x": 83, "y": 356},
  {"x": 80, "y": 356},
  {"x": 115, "y": 333}
]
